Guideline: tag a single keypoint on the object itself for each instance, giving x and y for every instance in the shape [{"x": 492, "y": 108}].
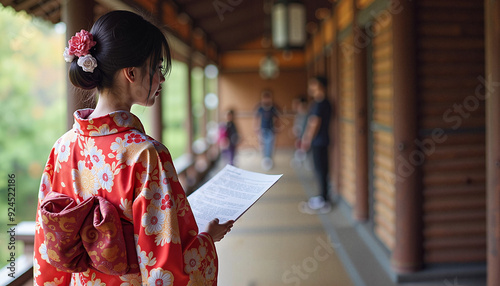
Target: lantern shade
[{"x": 288, "y": 24}]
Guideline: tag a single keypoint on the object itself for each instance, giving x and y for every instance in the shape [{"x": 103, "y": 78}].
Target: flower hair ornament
[{"x": 79, "y": 45}]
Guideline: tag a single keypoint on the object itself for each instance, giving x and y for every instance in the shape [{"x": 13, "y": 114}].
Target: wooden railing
[{"x": 20, "y": 270}]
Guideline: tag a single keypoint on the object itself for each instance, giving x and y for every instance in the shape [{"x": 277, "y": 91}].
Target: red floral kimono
[{"x": 111, "y": 157}]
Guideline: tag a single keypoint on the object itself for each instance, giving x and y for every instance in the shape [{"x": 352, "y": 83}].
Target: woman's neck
[{"x": 108, "y": 103}]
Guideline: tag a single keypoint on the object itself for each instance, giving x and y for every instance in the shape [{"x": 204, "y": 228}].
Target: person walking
[{"x": 265, "y": 123}]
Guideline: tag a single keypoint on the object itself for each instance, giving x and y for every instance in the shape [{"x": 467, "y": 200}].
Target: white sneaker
[
  {"x": 267, "y": 164},
  {"x": 300, "y": 155},
  {"x": 316, "y": 203},
  {"x": 304, "y": 207}
]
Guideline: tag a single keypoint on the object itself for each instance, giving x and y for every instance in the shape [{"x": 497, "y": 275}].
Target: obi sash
[{"x": 87, "y": 235}]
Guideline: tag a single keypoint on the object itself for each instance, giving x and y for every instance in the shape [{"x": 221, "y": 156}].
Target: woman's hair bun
[{"x": 83, "y": 79}]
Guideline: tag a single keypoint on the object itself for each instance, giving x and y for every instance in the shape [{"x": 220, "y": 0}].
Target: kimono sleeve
[
  {"x": 170, "y": 250},
  {"x": 43, "y": 272}
]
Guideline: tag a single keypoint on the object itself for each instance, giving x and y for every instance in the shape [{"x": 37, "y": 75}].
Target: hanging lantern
[{"x": 288, "y": 24}]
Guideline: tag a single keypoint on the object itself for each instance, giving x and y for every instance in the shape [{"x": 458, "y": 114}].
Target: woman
[{"x": 108, "y": 160}]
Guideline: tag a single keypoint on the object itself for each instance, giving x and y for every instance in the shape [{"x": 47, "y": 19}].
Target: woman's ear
[{"x": 129, "y": 74}]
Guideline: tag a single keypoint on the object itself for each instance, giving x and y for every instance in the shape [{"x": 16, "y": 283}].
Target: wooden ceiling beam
[
  {"x": 240, "y": 20},
  {"x": 313, "y": 5},
  {"x": 47, "y": 8},
  {"x": 196, "y": 9},
  {"x": 54, "y": 17},
  {"x": 203, "y": 10},
  {"x": 232, "y": 39},
  {"x": 6, "y": 3},
  {"x": 26, "y": 5},
  {"x": 240, "y": 24}
]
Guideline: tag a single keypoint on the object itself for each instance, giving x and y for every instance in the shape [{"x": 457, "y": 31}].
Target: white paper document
[{"x": 228, "y": 195}]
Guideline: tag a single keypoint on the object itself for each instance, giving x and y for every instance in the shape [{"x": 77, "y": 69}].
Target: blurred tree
[
  {"x": 175, "y": 110},
  {"x": 32, "y": 104}
]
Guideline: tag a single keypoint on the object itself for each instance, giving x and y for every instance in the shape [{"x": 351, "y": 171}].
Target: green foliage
[
  {"x": 32, "y": 84},
  {"x": 175, "y": 132},
  {"x": 197, "y": 77}
]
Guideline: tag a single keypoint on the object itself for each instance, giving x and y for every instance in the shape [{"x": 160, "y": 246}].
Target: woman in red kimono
[{"x": 107, "y": 155}]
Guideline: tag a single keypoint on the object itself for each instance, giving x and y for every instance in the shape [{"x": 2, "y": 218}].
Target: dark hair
[
  {"x": 266, "y": 93},
  {"x": 302, "y": 98},
  {"x": 123, "y": 39},
  {"x": 321, "y": 80}
]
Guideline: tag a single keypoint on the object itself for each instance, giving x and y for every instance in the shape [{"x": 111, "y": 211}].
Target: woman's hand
[{"x": 217, "y": 230}]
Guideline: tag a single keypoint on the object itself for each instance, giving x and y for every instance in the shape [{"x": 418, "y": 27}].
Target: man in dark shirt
[
  {"x": 266, "y": 119},
  {"x": 316, "y": 137}
]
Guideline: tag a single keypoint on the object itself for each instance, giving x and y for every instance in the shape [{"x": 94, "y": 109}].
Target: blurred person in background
[
  {"x": 266, "y": 123},
  {"x": 316, "y": 138},
  {"x": 300, "y": 106},
  {"x": 229, "y": 137}
]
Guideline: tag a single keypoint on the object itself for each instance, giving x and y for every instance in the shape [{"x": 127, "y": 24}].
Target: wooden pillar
[
  {"x": 407, "y": 253},
  {"x": 492, "y": 91},
  {"x": 156, "y": 109},
  {"x": 77, "y": 14},
  {"x": 321, "y": 57},
  {"x": 361, "y": 209},
  {"x": 335, "y": 91},
  {"x": 334, "y": 126}
]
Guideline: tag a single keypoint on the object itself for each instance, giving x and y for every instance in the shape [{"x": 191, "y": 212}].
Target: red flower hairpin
[{"x": 79, "y": 45}]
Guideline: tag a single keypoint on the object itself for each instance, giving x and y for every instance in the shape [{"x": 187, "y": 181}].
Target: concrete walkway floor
[{"x": 273, "y": 243}]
